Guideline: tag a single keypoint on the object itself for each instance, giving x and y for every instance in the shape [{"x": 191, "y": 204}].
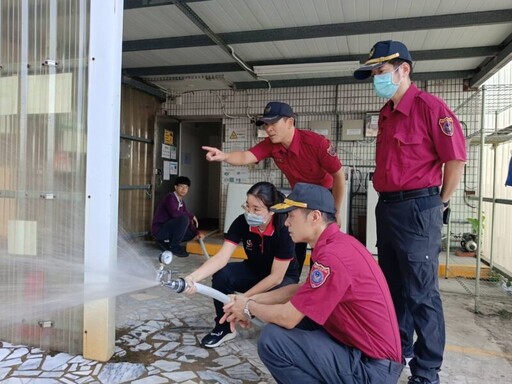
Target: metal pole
[
  {"x": 493, "y": 210},
  {"x": 480, "y": 201}
]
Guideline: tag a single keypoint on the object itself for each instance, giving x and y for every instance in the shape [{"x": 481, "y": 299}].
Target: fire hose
[{"x": 179, "y": 285}]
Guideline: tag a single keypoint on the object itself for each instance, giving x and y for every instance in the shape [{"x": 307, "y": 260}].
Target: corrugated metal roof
[{"x": 468, "y": 38}]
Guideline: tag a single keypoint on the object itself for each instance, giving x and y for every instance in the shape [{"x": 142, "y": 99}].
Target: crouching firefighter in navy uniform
[{"x": 339, "y": 326}]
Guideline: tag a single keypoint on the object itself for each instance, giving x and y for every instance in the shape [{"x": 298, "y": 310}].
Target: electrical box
[
  {"x": 352, "y": 130},
  {"x": 322, "y": 127},
  {"x": 261, "y": 133}
]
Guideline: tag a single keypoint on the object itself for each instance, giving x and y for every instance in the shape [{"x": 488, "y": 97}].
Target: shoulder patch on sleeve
[
  {"x": 319, "y": 275},
  {"x": 446, "y": 125},
  {"x": 331, "y": 150}
]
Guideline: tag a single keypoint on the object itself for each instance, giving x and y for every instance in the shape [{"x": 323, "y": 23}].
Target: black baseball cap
[
  {"x": 310, "y": 196},
  {"x": 381, "y": 53},
  {"x": 274, "y": 111}
]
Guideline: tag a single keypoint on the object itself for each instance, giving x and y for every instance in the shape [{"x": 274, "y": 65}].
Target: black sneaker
[
  {"x": 217, "y": 336},
  {"x": 179, "y": 251},
  {"x": 422, "y": 380}
]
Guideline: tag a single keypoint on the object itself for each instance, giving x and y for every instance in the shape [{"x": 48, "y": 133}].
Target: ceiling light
[{"x": 306, "y": 68}]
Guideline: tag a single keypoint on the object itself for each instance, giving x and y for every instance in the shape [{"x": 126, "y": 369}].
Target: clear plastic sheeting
[{"x": 43, "y": 79}]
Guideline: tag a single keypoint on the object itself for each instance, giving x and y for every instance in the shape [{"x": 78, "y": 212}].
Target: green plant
[{"x": 475, "y": 223}]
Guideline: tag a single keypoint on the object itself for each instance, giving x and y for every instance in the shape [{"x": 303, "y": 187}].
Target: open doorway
[{"x": 203, "y": 198}]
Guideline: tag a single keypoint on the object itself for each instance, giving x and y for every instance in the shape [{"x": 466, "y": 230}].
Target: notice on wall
[
  {"x": 173, "y": 152},
  {"x": 372, "y": 125},
  {"x": 168, "y": 137},
  {"x": 235, "y": 175},
  {"x": 167, "y": 170},
  {"x": 166, "y": 151},
  {"x": 236, "y": 134},
  {"x": 174, "y": 167},
  {"x": 170, "y": 168}
]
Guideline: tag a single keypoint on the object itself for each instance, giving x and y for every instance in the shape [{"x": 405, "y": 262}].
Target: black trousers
[{"x": 408, "y": 243}]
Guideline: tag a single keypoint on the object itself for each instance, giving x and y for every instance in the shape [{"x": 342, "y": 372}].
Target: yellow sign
[
  {"x": 168, "y": 137},
  {"x": 233, "y": 136}
]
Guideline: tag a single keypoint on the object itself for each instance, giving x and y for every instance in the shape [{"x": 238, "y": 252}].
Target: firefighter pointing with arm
[{"x": 302, "y": 156}]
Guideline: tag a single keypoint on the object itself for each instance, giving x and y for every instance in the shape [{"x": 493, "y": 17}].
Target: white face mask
[
  {"x": 384, "y": 86},
  {"x": 254, "y": 220}
]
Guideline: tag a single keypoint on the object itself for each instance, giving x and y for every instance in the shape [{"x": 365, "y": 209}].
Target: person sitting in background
[
  {"x": 270, "y": 262},
  {"x": 172, "y": 223}
]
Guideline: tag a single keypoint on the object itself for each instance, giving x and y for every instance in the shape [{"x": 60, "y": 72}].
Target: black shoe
[
  {"x": 217, "y": 336},
  {"x": 422, "y": 380},
  {"x": 179, "y": 251}
]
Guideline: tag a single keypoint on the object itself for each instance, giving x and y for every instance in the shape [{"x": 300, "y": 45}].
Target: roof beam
[
  {"x": 433, "y": 54},
  {"x": 144, "y": 87},
  {"x": 492, "y": 66},
  {"x": 201, "y": 24},
  {"x": 347, "y": 80},
  {"x": 133, "y": 4},
  {"x": 328, "y": 30}
]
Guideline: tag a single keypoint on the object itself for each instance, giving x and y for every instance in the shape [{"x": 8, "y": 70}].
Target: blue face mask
[
  {"x": 254, "y": 220},
  {"x": 384, "y": 86}
]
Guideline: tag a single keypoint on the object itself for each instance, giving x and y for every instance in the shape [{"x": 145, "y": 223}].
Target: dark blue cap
[
  {"x": 310, "y": 196},
  {"x": 274, "y": 111},
  {"x": 381, "y": 53}
]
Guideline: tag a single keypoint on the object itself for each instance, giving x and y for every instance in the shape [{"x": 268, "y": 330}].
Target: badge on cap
[
  {"x": 319, "y": 275},
  {"x": 446, "y": 124}
]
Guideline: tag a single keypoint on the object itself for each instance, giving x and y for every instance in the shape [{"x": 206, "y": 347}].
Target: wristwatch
[
  {"x": 247, "y": 311},
  {"x": 446, "y": 203}
]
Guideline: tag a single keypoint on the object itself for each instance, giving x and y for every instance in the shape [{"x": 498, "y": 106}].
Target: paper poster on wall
[
  {"x": 173, "y": 167},
  {"x": 166, "y": 151},
  {"x": 235, "y": 175},
  {"x": 372, "y": 125},
  {"x": 173, "y": 152},
  {"x": 168, "y": 137},
  {"x": 167, "y": 170}
]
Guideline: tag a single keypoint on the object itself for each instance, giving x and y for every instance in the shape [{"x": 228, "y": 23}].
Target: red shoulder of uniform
[
  {"x": 310, "y": 137},
  {"x": 430, "y": 99},
  {"x": 313, "y": 138},
  {"x": 319, "y": 142}
]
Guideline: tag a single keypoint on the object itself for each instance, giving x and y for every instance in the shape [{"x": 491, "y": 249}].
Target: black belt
[
  {"x": 391, "y": 197},
  {"x": 392, "y": 366}
]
